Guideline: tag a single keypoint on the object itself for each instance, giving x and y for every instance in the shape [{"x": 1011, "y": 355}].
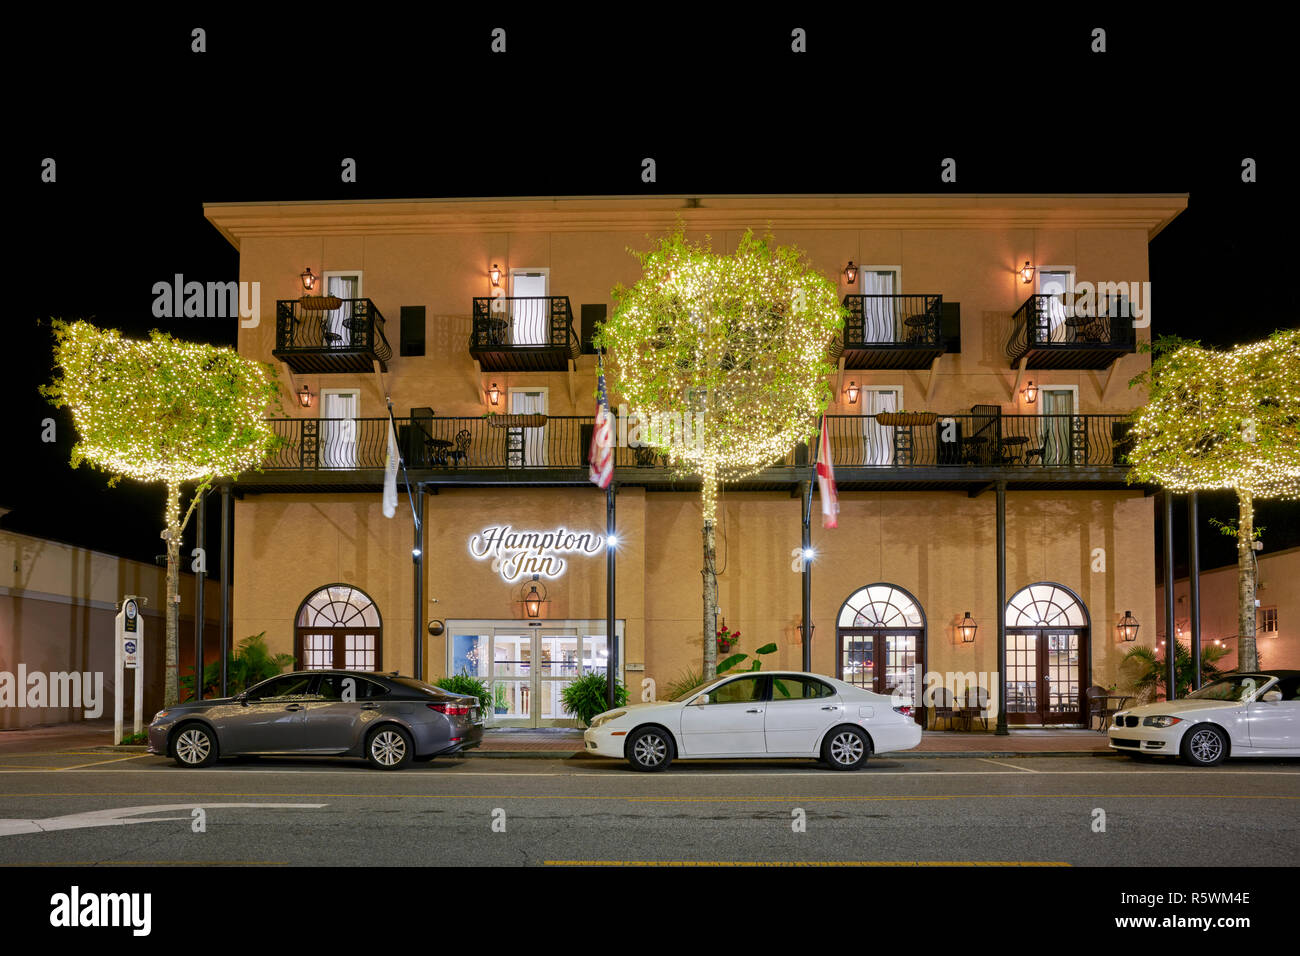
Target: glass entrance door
[
  {"x": 882, "y": 660},
  {"x": 1044, "y": 675},
  {"x": 527, "y": 668}
]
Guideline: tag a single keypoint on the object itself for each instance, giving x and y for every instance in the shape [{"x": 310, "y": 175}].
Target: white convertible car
[
  {"x": 1239, "y": 715},
  {"x": 758, "y": 714}
]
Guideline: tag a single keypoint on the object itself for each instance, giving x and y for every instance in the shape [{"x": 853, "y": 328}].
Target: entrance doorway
[
  {"x": 1047, "y": 655},
  {"x": 880, "y": 643},
  {"x": 528, "y": 665}
]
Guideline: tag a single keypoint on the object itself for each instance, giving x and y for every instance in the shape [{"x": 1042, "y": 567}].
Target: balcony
[
  {"x": 1071, "y": 331},
  {"x": 523, "y": 334},
  {"x": 324, "y": 334},
  {"x": 891, "y": 450},
  {"x": 891, "y": 331}
]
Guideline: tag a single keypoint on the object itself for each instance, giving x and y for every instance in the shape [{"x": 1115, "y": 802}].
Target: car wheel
[
  {"x": 1205, "y": 746},
  {"x": 194, "y": 746},
  {"x": 650, "y": 749},
  {"x": 846, "y": 748},
  {"x": 389, "y": 748}
]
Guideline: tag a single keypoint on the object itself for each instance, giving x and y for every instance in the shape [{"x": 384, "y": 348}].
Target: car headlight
[
  {"x": 159, "y": 716},
  {"x": 1164, "y": 720},
  {"x": 606, "y": 718}
]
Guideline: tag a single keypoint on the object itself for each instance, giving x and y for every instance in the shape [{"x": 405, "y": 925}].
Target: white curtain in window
[
  {"x": 1058, "y": 409},
  {"x": 878, "y": 314},
  {"x": 530, "y": 317},
  {"x": 877, "y": 439},
  {"x": 338, "y": 439},
  {"x": 345, "y": 287},
  {"x": 529, "y": 403},
  {"x": 1058, "y": 286}
]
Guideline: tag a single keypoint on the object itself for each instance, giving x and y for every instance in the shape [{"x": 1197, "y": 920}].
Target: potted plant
[
  {"x": 586, "y": 697},
  {"x": 727, "y": 639},
  {"x": 463, "y": 683}
]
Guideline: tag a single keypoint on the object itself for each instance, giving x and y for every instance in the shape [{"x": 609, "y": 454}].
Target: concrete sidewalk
[{"x": 564, "y": 742}]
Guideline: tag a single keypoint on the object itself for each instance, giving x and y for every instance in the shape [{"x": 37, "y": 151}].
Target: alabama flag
[{"x": 826, "y": 480}]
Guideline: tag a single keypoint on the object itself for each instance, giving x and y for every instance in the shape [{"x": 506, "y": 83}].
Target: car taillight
[
  {"x": 905, "y": 710},
  {"x": 451, "y": 710}
]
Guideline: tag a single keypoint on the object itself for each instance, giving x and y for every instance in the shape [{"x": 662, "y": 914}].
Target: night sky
[{"x": 144, "y": 132}]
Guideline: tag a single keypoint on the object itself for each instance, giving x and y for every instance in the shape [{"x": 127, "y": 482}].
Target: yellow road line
[
  {"x": 803, "y": 863},
  {"x": 97, "y": 763}
]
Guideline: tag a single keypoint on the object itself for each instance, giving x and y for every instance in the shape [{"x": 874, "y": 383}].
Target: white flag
[{"x": 390, "y": 474}]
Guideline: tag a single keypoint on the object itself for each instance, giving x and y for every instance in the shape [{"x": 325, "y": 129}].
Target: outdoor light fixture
[
  {"x": 533, "y": 600},
  {"x": 494, "y": 394},
  {"x": 1029, "y": 393},
  {"x": 308, "y": 280},
  {"x": 853, "y": 393},
  {"x": 812, "y": 628},
  {"x": 1027, "y": 273},
  {"x": 611, "y": 541},
  {"x": 495, "y": 274},
  {"x": 1128, "y": 627},
  {"x": 967, "y": 629},
  {"x": 305, "y": 396},
  {"x": 851, "y": 274},
  {"x": 415, "y": 553},
  {"x": 809, "y": 554}
]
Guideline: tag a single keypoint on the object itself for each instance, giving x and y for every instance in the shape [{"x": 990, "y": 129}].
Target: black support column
[
  {"x": 200, "y": 580},
  {"x": 1171, "y": 635},
  {"x": 611, "y": 630},
  {"x": 1002, "y": 608},
  {"x": 417, "y": 560},
  {"x": 1194, "y": 587},
  {"x": 226, "y": 519}
]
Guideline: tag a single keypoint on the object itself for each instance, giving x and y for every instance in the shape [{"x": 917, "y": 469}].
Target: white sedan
[
  {"x": 758, "y": 714},
  {"x": 1240, "y": 715}
]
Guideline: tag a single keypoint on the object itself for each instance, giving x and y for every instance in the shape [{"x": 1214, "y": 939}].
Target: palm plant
[
  {"x": 251, "y": 664},
  {"x": 1150, "y": 668}
]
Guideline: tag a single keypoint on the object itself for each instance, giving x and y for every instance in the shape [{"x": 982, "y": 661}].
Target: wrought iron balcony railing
[
  {"x": 328, "y": 334},
  {"x": 523, "y": 333},
  {"x": 519, "y": 447},
  {"x": 1070, "y": 330},
  {"x": 891, "y": 331}
]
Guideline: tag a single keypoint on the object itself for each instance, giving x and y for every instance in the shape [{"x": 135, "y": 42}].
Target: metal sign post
[{"x": 128, "y": 654}]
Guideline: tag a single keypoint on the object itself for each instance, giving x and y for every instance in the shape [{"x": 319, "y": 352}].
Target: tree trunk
[
  {"x": 172, "y": 534},
  {"x": 710, "y": 574},
  {"x": 1247, "y": 655}
]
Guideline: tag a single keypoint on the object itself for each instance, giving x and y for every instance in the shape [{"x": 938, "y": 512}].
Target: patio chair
[
  {"x": 943, "y": 708},
  {"x": 1099, "y": 706},
  {"x": 977, "y": 705},
  {"x": 460, "y": 452}
]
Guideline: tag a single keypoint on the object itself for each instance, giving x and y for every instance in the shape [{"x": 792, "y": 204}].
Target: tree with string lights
[
  {"x": 1223, "y": 420},
  {"x": 723, "y": 359},
  {"x": 163, "y": 410}
]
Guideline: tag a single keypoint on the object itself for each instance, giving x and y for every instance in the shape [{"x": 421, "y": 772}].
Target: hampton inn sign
[{"x": 518, "y": 554}]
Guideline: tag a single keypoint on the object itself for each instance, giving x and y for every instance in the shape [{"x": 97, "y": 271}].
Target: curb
[{"x": 565, "y": 755}]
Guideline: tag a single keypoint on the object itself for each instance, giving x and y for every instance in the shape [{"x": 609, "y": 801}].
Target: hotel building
[{"x": 978, "y": 414}]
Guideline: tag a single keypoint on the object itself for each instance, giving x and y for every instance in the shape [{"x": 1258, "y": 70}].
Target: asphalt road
[{"x": 108, "y": 808}]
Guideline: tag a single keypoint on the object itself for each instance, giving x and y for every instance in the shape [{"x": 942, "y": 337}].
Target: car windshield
[
  {"x": 695, "y": 690},
  {"x": 1240, "y": 687}
]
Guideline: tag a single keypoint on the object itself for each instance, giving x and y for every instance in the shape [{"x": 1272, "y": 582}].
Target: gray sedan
[{"x": 388, "y": 719}]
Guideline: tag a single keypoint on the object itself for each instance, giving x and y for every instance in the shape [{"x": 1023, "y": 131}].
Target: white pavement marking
[
  {"x": 121, "y": 816},
  {"x": 1027, "y": 770}
]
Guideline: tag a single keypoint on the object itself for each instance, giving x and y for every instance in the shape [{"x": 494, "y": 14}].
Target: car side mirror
[
  {"x": 701, "y": 700},
  {"x": 1272, "y": 696},
  {"x": 243, "y": 699}
]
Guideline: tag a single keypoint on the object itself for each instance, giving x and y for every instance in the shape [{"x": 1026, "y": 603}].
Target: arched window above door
[
  {"x": 339, "y": 605},
  {"x": 881, "y": 605},
  {"x": 1045, "y": 605}
]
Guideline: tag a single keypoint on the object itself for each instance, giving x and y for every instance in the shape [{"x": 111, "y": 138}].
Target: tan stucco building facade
[{"x": 930, "y": 535}]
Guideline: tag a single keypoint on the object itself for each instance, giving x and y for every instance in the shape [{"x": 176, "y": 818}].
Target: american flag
[
  {"x": 601, "y": 455},
  {"x": 826, "y": 481}
]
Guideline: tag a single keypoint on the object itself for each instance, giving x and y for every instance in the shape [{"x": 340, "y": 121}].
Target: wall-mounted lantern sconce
[
  {"x": 967, "y": 629},
  {"x": 1029, "y": 393},
  {"x": 851, "y": 274},
  {"x": 494, "y": 395},
  {"x": 852, "y": 392},
  {"x": 532, "y": 599},
  {"x": 1026, "y": 273},
  {"x": 1128, "y": 627},
  {"x": 308, "y": 280},
  {"x": 495, "y": 275},
  {"x": 305, "y": 397}
]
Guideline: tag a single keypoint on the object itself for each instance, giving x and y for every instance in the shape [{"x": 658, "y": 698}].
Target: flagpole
[{"x": 417, "y": 549}]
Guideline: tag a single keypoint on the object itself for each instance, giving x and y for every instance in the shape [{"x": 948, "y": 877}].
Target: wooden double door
[
  {"x": 883, "y": 659},
  {"x": 1045, "y": 674}
]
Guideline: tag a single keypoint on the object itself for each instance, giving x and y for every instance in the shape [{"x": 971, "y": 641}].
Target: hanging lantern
[
  {"x": 1128, "y": 627},
  {"x": 308, "y": 280},
  {"x": 967, "y": 629},
  {"x": 851, "y": 274},
  {"x": 1026, "y": 273},
  {"x": 494, "y": 395},
  {"x": 305, "y": 396},
  {"x": 1029, "y": 393}
]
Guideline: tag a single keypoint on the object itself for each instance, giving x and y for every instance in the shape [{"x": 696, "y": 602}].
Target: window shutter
[
  {"x": 591, "y": 314},
  {"x": 412, "y": 330},
  {"x": 950, "y": 326}
]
